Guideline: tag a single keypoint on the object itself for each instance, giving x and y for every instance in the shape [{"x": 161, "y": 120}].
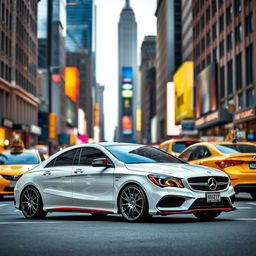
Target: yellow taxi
[
  {"x": 238, "y": 160},
  {"x": 176, "y": 146},
  {"x": 14, "y": 162},
  {"x": 43, "y": 149}
]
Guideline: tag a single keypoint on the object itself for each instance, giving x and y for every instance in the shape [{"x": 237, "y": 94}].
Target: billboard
[
  {"x": 71, "y": 83},
  {"x": 127, "y": 75},
  {"x": 206, "y": 91},
  {"x": 184, "y": 81},
  {"x": 71, "y": 113},
  {"x": 127, "y": 125},
  {"x": 172, "y": 129}
]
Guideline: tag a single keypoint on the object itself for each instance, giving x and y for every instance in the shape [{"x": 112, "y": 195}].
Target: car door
[
  {"x": 92, "y": 186},
  {"x": 56, "y": 181}
]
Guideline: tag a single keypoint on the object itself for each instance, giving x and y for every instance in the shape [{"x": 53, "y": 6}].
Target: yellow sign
[
  {"x": 52, "y": 126},
  {"x": 184, "y": 80},
  {"x": 138, "y": 120}
]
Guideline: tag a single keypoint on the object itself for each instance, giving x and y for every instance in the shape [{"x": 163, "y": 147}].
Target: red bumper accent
[
  {"x": 199, "y": 210},
  {"x": 76, "y": 210}
]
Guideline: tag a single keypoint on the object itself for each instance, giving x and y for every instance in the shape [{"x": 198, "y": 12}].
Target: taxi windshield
[{"x": 12, "y": 158}]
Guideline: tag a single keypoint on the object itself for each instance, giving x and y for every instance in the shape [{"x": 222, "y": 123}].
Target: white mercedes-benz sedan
[{"x": 135, "y": 180}]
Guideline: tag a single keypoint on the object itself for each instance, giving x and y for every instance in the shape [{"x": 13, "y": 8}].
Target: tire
[
  {"x": 253, "y": 194},
  {"x": 31, "y": 203},
  {"x": 133, "y": 203},
  {"x": 207, "y": 215},
  {"x": 1, "y": 197}
]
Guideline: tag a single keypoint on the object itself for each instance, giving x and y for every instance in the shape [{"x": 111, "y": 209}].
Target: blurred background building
[
  {"x": 18, "y": 71},
  {"x": 127, "y": 75}
]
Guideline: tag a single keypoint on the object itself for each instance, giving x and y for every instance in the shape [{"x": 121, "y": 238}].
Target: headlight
[
  {"x": 165, "y": 181},
  {"x": 1, "y": 176}
]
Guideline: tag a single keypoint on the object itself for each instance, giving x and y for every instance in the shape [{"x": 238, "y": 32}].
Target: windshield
[
  {"x": 141, "y": 154},
  {"x": 236, "y": 148},
  {"x": 178, "y": 147},
  {"x": 18, "y": 158}
]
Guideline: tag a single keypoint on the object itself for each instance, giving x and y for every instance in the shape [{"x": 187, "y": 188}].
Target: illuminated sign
[
  {"x": 127, "y": 125},
  {"x": 184, "y": 81},
  {"x": 127, "y": 93},
  {"x": 52, "y": 126},
  {"x": 127, "y": 86},
  {"x": 138, "y": 120},
  {"x": 71, "y": 83},
  {"x": 127, "y": 74},
  {"x": 245, "y": 115},
  {"x": 96, "y": 114},
  {"x": 71, "y": 112}
]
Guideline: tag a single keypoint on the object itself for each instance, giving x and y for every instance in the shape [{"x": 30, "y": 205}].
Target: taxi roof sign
[{"x": 16, "y": 143}]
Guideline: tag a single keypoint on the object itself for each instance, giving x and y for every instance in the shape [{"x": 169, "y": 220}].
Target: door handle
[
  {"x": 47, "y": 173},
  {"x": 78, "y": 171}
]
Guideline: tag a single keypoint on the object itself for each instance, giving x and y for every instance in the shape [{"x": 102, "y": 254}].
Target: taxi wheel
[
  {"x": 1, "y": 197},
  {"x": 31, "y": 203},
  {"x": 253, "y": 194},
  {"x": 207, "y": 215}
]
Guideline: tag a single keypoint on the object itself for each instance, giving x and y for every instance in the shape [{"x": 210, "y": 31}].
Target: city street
[{"x": 81, "y": 234}]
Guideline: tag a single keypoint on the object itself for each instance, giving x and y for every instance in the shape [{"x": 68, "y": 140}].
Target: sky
[{"x": 108, "y": 14}]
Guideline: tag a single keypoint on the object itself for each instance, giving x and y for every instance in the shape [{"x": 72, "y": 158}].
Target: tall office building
[
  {"x": 128, "y": 68},
  {"x": 168, "y": 57},
  {"x": 148, "y": 87},
  {"x": 80, "y": 46},
  {"x": 58, "y": 62},
  {"x": 224, "y": 43},
  {"x": 18, "y": 67}
]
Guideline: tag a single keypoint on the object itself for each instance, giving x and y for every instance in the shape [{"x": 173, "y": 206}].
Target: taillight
[{"x": 228, "y": 163}]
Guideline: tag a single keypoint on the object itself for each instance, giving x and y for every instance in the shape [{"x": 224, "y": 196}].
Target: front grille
[
  {"x": 201, "y": 203},
  {"x": 201, "y": 183},
  {"x": 9, "y": 177},
  {"x": 171, "y": 201},
  {"x": 8, "y": 189}
]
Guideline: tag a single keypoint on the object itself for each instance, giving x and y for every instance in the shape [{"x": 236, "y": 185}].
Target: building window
[
  {"x": 214, "y": 31},
  {"x": 229, "y": 42},
  {"x": 202, "y": 22},
  {"x": 208, "y": 38},
  {"x": 202, "y": 64},
  {"x": 239, "y": 71},
  {"x": 202, "y": 45},
  {"x": 221, "y": 23},
  {"x": 240, "y": 101},
  {"x": 230, "y": 77},
  {"x": 249, "y": 98},
  {"x": 249, "y": 64},
  {"x": 248, "y": 24},
  {"x": 229, "y": 14},
  {"x": 214, "y": 54},
  {"x": 222, "y": 82},
  {"x": 222, "y": 48},
  {"x": 238, "y": 33},
  {"x": 214, "y": 7},
  {"x": 221, "y": 2},
  {"x": 238, "y": 6},
  {"x": 209, "y": 59},
  {"x": 208, "y": 14}
]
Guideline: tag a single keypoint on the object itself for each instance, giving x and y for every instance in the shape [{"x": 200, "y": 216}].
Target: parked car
[
  {"x": 135, "y": 180},
  {"x": 238, "y": 160},
  {"x": 176, "y": 146}
]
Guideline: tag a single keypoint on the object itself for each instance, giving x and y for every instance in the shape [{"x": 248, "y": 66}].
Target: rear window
[
  {"x": 178, "y": 147},
  {"x": 236, "y": 148}
]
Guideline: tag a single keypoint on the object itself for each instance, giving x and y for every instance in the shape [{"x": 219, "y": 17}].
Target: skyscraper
[
  {"x": 127, "y": 52},
  {"x": 80, "y": 46}
]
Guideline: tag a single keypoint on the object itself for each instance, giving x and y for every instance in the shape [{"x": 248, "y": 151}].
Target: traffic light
[{"x": 52, "y": 126}]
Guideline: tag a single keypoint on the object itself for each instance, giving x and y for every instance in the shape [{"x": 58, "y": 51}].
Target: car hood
[
  {"x": 176, "y": 170},
  {"x": 15, "y": 169}
]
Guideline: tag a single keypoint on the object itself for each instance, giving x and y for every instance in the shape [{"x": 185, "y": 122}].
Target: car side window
[
  {"x": 165, "y": 147},
  {"x": 200, "y": 152},
  {"x": 66, "y": 158},
  {"x": 186, "y": 155},
  {"x": 89, "y": 154}
]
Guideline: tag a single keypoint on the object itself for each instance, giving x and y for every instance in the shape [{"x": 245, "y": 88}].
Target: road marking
[
  {"x": 254, "y": 219},
  {"x": 30, "y": 222},
  {"x": 252, "y": 203},
  {"x": 1, "y": 205},
  {"x": 243, "y": 207}
]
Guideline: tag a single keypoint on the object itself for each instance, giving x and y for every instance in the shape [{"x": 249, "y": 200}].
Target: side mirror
[{"x": 101, "y": 162}]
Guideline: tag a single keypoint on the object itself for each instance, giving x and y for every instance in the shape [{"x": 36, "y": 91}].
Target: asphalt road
[{"x": 232, "y": 233}]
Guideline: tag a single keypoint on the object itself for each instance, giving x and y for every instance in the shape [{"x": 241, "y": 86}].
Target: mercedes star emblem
[{"x": 212, "y": 183}]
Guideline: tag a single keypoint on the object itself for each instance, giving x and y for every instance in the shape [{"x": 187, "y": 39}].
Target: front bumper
[
  {"x": 6, "y": 187},
  {"x": 190, "y": 201}
]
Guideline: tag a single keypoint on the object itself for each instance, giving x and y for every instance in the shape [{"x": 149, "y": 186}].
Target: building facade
[
  {"x": 168, "y": 56},
  {"x": 80, "y": 48},
  {"x": 127, "y": 74},
  {"x": 148, "y": 87},
  {"x": 18, "y": 71},
  {"x": 224, "y": 41},
  {"x": 99, "y": 100}
]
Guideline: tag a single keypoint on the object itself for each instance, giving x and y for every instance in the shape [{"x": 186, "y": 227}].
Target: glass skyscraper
[{"x": 80, "y": 22}]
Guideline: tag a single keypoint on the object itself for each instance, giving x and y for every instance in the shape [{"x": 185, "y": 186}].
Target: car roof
[
  {"x": 23, "y": 150},
  {"x": 180, "y": 140}
]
